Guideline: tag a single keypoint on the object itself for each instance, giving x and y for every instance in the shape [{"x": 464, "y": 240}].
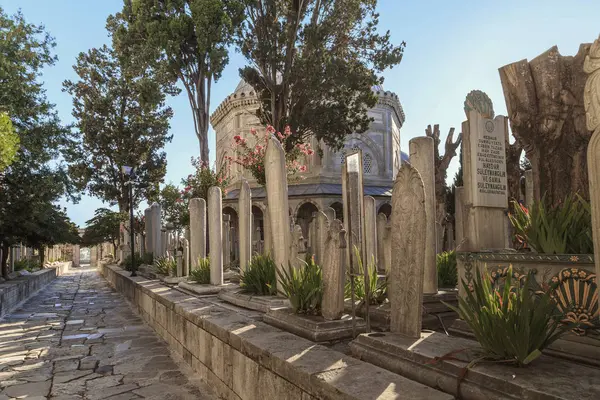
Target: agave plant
[
  {"x": 260, "y": 277},
  {"x": 164, "y": 265},
  {"x": 446, "y": 268},
  {"x": 303, "y": 287},
  {"x": 564, "y": 229},
  {"x": 201, "y": 274},
  {"x": 377, "y": 287},
  {"x": 512, "y": 324}
]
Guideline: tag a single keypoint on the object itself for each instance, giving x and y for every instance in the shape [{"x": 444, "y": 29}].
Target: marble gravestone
[
  {"x": 245, "y": 221},
  {"x": 215, "y": 235},
  {"x": 197, "y": 208}
]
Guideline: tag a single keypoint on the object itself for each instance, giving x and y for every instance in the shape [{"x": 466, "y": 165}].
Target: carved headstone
[
  {"x": 197, "y": 209},
  {"x": 226, "y": 240},
  {"x": 529, "y": 196},
  {"x": 157, "y": 244},
  {"x": 148, "y": 229},
  {"x": 421, "y": 158},
  {"x": 381, "y": 225},
  {"x": 277, "y": 198},
  {"x": 370, "y": 231},
  {"x": 185, "y": 245},
  {"x": 333, "y": 272},
  {"x": 321, "y": 221},
  {"x": 592, "y": 108},
  {"x": 245, "y": 217},
  {"x": 408, "y": 258},
  {"x": 215, "y": 235},
  {"x": 297, "y": 248}
]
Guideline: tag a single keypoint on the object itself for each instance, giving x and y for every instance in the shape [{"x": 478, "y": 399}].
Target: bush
[
  {"x": 260, "y": 277},
  {"x": 148, "y": 258},
  {"x": 512, "y": 324},
  {"x": 564, "y": 229},
  {"x": 202, "y": 272},
  {"x": 127, "y": 262},
  {"x": 303, "y": 287},
  {"x": 27, "y": 265},
  {"x": 165, "y": 264},
  {"x": 377, "y": 288},
  {"x": 446, "y": 269}
]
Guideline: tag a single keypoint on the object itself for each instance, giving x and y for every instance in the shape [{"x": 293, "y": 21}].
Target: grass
[
  {"x": 303, "y": 287},
  {"x": 201, "y": 274},
  {"x": 260, "y": 277}
]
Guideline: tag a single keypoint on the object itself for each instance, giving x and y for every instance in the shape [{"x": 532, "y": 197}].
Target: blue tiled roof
[{"x": 316, "y": 189}]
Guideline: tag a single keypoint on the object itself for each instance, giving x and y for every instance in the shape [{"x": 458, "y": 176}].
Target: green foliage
[
  {"x": 28, "y": 265},
  {"x": 164, "y": 265},
  {"x": 202, "y": 272},
  {"x": 377, "y": 288},
  {"x": 9, "y": 142},
  {"x": 127, "y": 263},
  {"x": 147, "y": 258},
  {"x": 563, "y": 229},
  {"x": 103, "y": 227},
  {"x": 512, "y": 324},
  {"x": 260, "y": 277},
  {"x": 122, "y": 120},
  {"x": 446, "y": 269},
  {"x": 303, "y": 287},
  {"x": 181, "y": 40},
  {"x": 307, "y": 59}
]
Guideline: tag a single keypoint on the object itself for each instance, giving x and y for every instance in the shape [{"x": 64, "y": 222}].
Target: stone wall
[
  {"x": 242, "y": 358},
  {"x": 16, "y": 291}
]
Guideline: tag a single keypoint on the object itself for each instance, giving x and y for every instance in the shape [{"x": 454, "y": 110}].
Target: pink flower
[{"x": 303, "y": 168}]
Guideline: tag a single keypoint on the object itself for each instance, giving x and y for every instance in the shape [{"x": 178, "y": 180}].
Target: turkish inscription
[{"x": 490, "y": 161}]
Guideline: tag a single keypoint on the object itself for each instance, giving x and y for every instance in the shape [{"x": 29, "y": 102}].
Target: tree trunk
[
  {"x": 5, "y": 250},
  {"x": 513, "y": 169},
  {"x": 544, "y": 99}
]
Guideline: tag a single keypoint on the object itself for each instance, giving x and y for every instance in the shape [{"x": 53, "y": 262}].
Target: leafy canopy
[
  {"x": 103, "y": 227},
  {"x": 9, "y": 142}
]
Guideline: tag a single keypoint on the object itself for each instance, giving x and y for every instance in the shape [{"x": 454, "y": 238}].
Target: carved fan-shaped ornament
[{"x": 480, "y": 102}]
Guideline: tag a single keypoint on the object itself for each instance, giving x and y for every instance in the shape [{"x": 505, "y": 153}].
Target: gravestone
[
  {"x": 484, "y": 176},
  {"x": 297, "y": 248},
  {"x": 148, "y": 230},
  {"x": 459, "y": 218},
  {"x": 215, "y": 235},
  {"x": 277, "y": 198},
  {"x": 332, "y": 306},
  {"x": 226, "y": 240},
  {"x": 591, "y": 99},
  {"x": 245, "y": 218},
  {"x": 197, "y": 209},
  {"x": 371, "y": 237},
  {"x": 405, "y": 287},
  {"x": 421, "y": 158},
  {"x": 157, "y": 236},
  {"x": 529, "y": 192},
  {"x": 322, "y": 228},
  {"x": 185, "y": 244},
  {"x": 384, "y": 249}
]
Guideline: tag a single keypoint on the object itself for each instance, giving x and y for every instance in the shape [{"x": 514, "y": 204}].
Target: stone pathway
[{"x": 78, "y": 339}]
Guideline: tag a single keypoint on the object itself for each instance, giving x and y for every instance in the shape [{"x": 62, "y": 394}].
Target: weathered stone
[
  {"x": 405, "y": 285},
  {"x": 591, "y": 95},
  {"x": 277, "y": 198},
  {"x": 459, "y": 217},
  {"x": 297, "y": 248},
  {"x": 529, "y": 196},
  {"x": 333, "y": 272},
  {"x": 371, "y": 238},
  {"x": 421, "y": 158},
  {"x": 245, "y": 217},
  {"x": 148, "y": 230},
  {"x": 226, "y": 240},
  {"x": 157, "y": 235},
  {"x": 28, "y": 389},
  {"x": 215, "y": 226},
  {"x": 197, "y": 209},
  {"x": 322, "y": 232}
]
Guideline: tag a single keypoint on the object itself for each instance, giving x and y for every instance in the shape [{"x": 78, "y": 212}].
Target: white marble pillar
[
  {"x": 226, "y": 240},
  {"x": 370, "y": 231},
  {"x": 157, "y": 236},
  {"x": 334, "y": 280},
  {"x": 277, "y": 198},
  {"x": 382, "y": 222},
  {"x": 148, "y": 230},
  {"x": 245, "y": 225},
  {"x": 197, "y": 209},
  {"x": 215, "y": 235},
  {"x": 422, "y": 158}
]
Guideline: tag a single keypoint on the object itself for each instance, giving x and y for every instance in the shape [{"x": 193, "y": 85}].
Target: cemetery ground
[{"x": 79, "y": 339}]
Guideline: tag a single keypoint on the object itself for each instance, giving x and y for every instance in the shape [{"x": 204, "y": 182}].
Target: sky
[{"x": 453, "y": 47}]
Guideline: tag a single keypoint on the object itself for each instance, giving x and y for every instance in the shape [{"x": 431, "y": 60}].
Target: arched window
[
  {"x": 343, "y": 157},
  {"x": 367, "y": 163}
]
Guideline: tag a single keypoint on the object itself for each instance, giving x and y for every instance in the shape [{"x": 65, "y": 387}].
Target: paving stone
[{"x": 28, "y": 389}]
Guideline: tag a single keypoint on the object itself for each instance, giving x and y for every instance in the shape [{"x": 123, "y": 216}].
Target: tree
[
  {"x": 122, "y": 121},
  {"x": 9, "y": 142},
  {"x": 30, "y": 184},
  {"x": 104, "y": 227},
  {"x": 181, "y": 40},
  {"x": 544, "y": 99},
  {"x": 174, "y": 210},
  {"x": 442, "y": 162},
  {"x": 313, "y": 64}
]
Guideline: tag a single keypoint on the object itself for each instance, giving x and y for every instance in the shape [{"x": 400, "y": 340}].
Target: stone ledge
[
  {"x": 546, "y": 378},
  {"x": 16, "y": 291},
  {"x": 203, "y": 290},
  {"x": 243, "y": 358}
]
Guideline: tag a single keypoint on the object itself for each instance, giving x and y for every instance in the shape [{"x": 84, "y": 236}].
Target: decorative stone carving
[
  {"x": 333, "y": 272},
  {"x": 197, "y": 209},
  {"x": 245, "y": 217},
  {"x": 421, "y": 158},
  {"x": 479, "y": 101},
  {"x": 591, "y": 95},
  {"x": 408, "y": 258},
  {"x": 215, "y": 226}
]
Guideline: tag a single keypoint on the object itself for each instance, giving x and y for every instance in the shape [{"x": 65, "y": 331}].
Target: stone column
[
  {"x": 591, "y": 100},
  {"x": 322, "y": 232},
  {"x": 405, "y": 285},
  {"x": 459, "y": 218},
  {"x": 529, "y": 193},
  {"x": 277, "y": 197},
  {"x": 485, "y": 181},
  {"x": 226, "y": 240},
  {"x": 334, "y": 280},
  {"x": 148, "y": 229},
  {"x": 354, "y": 212},
  {"x": 370, "y": 231},
  {"x": 297, "y": 248},
  {"x": 76, "y": 255},
  {"x": 421, "y": 158},
  {"x": 163, "y": 239},
  {"x": 382, "y": 222},
  {"x": 215, "y": 234},
  {"x": 179, "y": 259},
  {"x": 186, "y": 256},
  {"x": 157, "y": 236},
  {"x": 245, "y": 224},
  {"x": 197, "y": 209}
]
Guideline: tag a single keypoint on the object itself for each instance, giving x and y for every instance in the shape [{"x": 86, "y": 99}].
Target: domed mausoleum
[{"x": 320, "y": 186}]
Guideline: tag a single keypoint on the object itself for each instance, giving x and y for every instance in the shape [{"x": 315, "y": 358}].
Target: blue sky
[{"x": 453, "y": 47}]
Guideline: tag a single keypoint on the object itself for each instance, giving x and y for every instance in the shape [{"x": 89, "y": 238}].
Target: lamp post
[{"x": 129, "y": 172}]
